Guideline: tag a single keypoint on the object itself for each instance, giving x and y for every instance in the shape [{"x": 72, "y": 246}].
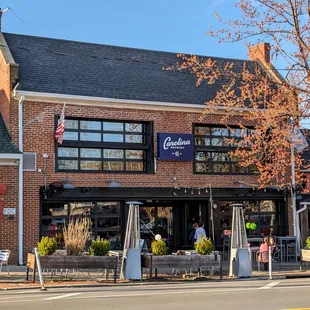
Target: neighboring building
[
  {"x": 119, "y": 103},
  {"x": 304, "y": 203},
  {"x": 10, "y": 171}
]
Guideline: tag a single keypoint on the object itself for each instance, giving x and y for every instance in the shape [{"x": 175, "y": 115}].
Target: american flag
[{"x": 59, "y": 133}]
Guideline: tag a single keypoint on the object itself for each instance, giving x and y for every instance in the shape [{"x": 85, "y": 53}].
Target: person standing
[
  {"x": 200, "y": 231},
  {"x": 192, "y": 234}
]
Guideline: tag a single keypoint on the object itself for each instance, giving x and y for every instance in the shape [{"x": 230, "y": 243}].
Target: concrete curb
[{"x": 261, "y": 278}]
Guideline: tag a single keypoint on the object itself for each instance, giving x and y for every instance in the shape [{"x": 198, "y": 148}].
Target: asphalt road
[{"x": 233, "y": 295}]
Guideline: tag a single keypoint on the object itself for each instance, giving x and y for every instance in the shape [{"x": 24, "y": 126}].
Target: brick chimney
[{"x": 260, "y": 52}]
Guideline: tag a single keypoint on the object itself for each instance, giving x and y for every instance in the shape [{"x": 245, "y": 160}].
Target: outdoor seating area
[{"x": 286, "y": 250}]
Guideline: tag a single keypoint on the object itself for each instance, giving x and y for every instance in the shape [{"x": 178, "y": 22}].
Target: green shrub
[
  {"x": 308, "y": 243},
  {"x": 47, "y": 246},
  {"x": 100, "y": 247},
  {"x": 159, "y": 247},
  {"x": 204, "y": 246}
]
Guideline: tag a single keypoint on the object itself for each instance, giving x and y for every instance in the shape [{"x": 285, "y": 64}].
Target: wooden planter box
[
  {"x": 304, "y": 256},
  {"x": 180, "y": 261},
  {"x": 74, "y": 262}
]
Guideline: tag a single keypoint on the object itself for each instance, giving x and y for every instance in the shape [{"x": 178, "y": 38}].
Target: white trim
[
  {"x": 9, "y": 162},
  {"x": 11, "y": 156},
  {"x": 117, "y": 103}
]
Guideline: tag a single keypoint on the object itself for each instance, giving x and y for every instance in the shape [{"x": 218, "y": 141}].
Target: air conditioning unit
[{"x": 30, "y": 161}]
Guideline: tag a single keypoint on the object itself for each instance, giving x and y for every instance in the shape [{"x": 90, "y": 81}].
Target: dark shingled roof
[
  {"x": 87, "y": 69},
  {"x": 6, "y": 146}
]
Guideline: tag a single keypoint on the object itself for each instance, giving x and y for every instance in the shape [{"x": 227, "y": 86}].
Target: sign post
[
  {"x": 270, "y": 262},
  {"x": 39, "y": 269}
]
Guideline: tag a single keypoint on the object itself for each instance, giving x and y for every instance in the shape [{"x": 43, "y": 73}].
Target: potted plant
[
  {"x": 47, "y": 246},
  {"x": 100, "y": 247},
  {"x": 204, "y": 246},
  {"x": 159, "y": 247}
]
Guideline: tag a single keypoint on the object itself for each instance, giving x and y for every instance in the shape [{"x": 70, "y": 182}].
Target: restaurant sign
[{"x": 175, "y": 146}]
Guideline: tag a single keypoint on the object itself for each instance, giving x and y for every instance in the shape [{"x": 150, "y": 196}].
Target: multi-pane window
[
  {"x": 212, "y": 147},
  {"x": 105, "y": 219},
  {"x": 265, "y": 214},
  {"x": 100, "y": 145}
]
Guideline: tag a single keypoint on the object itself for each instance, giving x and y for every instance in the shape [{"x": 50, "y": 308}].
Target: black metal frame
[
  {"x": 94, "y": 217},
  {"x": 146, "y": 147},
  {"x": 215, "y": 149}
]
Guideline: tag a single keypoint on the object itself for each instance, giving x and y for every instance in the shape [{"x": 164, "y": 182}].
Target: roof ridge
[{"x": 125, "y": 47}]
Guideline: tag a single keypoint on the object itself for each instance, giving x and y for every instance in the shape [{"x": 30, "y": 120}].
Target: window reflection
[
  {"x": 82, "y": 208},
  {"x": 91, "y": 153},
  {"x": 68, "y": 152},
  {"x": 90, "y": 125},
  {"x": 131, "y": 127},
  {"x": 109, "y": 137},
  {"x": 90, "y": 136},
  {"x": 91, "y": 165},
  {"x": 110, "y": 126}
]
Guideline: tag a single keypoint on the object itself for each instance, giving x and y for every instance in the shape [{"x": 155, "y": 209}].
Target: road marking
[
  {"x": 62, "y": 296},
  {"x": 269, "y": 286}
]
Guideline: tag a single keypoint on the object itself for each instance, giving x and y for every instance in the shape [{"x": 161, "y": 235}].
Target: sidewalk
[{"x": 17, "y": 277}]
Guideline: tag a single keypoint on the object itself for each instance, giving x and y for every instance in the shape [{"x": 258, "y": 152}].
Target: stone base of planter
[
  {"x": 74, "y": 262},
  {"x": 181, "y": 261}
]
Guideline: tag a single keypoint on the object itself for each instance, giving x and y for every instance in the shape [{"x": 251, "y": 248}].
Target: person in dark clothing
[{"x": 192, "y": 234}]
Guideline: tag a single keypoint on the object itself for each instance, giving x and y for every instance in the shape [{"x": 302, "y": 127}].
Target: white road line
[
  {"x": 269, "y": 286},
  {"x": 62, "y": 296}
]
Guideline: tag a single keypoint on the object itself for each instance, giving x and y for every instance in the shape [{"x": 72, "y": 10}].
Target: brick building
[{"x": 120, "y": 103}]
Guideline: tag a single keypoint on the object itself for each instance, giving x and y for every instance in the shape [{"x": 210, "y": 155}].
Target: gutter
[{"x": 119, "y": 103}]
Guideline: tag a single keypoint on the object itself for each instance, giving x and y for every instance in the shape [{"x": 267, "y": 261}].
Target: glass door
[{"x": 156, "y": 220}]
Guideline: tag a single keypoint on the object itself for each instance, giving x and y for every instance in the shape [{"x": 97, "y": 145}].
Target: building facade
[{"x": 133, "y": 132}]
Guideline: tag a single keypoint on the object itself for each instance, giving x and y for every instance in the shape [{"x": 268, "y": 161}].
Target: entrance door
[{"x": 195, "y": 212}]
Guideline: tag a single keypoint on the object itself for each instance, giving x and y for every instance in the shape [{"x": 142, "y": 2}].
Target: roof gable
[
  {"x": 6, "y": 146},
  {"x": 85, "y": 69}
]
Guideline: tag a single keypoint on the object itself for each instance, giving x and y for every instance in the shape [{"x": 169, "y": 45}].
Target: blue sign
[{"x": 175, "y": 146}]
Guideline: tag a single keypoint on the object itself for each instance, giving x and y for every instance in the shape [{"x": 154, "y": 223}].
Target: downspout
[
  {"x": 20, "y": 184},
  {"x": 20, "y": 179},
  {"x": 304, "y": 208}
]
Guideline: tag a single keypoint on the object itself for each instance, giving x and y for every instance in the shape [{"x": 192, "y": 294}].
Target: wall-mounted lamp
[
  {"x": 67, "y": 184},
  {"x": 112, "y": 183}
]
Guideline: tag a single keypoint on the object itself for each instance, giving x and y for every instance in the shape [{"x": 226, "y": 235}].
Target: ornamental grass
[{"x": 76, "y": 235}]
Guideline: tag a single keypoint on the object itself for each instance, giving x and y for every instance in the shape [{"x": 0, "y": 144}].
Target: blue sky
[{"x": 168, "y": 25}]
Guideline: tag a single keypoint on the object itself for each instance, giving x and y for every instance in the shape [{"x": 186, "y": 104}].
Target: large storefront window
[
  {"x": 156, "y": 220},
  {"x": 212, "y": 149},
  {"x": 265, "y": 214},
  {"x": 102, "y": 145},
  {"x": 104, "y": 216}
]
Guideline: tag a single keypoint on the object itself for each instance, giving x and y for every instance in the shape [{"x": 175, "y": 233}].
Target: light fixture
[
  {"x": 67, "y": 184},
  {"x": 112, "y": 183},
  {"x": 198, "y": 191},
  {"x": 192, "y": 191},
  {"x": 174, "y": 193},
  {"x": 206, "y": 191},
  {"x": 185, "y": 191}
]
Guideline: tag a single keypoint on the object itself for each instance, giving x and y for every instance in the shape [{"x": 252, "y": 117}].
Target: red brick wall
[
  {"x": 8, "y": 76},
  {"x": 9, "y": 227},
  {"x": 39, "y": 137}
]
